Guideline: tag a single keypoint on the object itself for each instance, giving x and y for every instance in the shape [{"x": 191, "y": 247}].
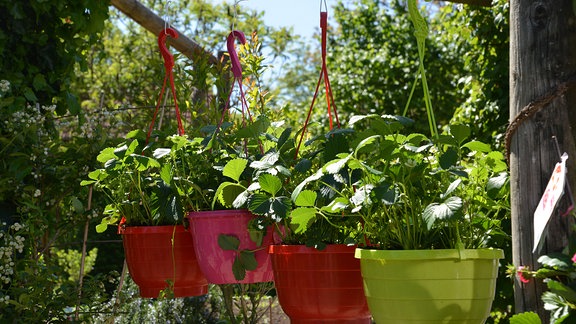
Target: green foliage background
[{"x": 81, "y": 75}]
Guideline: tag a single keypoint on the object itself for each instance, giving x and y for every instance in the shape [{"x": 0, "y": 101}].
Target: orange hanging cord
[
  {"x": 168, "y": 76},
  {"x": 323, "y": 76}
]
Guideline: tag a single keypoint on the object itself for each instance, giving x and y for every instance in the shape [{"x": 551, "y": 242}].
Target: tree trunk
[
  {"x": 542, "y": 73},
  {"x": 153, "y": 23}
]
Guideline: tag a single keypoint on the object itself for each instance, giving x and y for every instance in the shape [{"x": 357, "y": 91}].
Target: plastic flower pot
[
  {"x": 216, "y": 263},
  {"x": 316, "y": 286},
  {"x": 430, "y": 286},
  {"x": 161, "y": 256}
]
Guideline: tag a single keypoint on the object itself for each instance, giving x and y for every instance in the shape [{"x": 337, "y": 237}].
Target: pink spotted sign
[{"x": 552, "y": 194}]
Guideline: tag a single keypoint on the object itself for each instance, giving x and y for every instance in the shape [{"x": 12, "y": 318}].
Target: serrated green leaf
[
  {"x": 302, "y": 217},
  {"x": 234, "y": 168},
  {"x": 270, "y": 183},
  {"x": 259, "y": 204},
  {"x": 306, "y": 198},
  {"x": 228, "y": 242},
  {"x": 442, "y": 211},
  {"x": 558, "y": 261}
]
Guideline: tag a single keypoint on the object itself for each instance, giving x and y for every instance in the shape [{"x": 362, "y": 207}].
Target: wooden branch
[
  {"x": 153, "y": 23},
  {"x": 484, "y": 3}
]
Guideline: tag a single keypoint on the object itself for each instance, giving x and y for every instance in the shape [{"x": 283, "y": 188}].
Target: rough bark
[{"x": 542, "y": 73}]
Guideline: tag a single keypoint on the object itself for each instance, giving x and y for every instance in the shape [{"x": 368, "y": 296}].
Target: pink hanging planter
[
  {"x": 157, "y": 255},
  {"x": 216, "y": 263}
]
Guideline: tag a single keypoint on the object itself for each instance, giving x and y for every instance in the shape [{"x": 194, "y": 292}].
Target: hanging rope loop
[
  {"x": 168, "y": 76},
  {"x": 323, "y": 76}
]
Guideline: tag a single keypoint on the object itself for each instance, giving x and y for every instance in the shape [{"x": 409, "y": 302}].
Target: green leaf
[
  {"x": 101, "y": 228},
  {"x": 453, "y": 186},
  {"x": 39, "y": 82},
  {"x": 336, "y": 205},
  {"x": 496, "y": 183},
  {"x": 336, "y": 165},
  {"x": 259, "y": 204},
  {"x": 306, "y": 198},
  {"x": 29, "y": 94},
  {"x": 448, "y": 159},
  {"x": 227, "y": 193},
  {"x": 234, "y": 168},
  {"x": 442, "y": 211},
  {"x": 525, "y": 318},
  {"x": 228, "y": 242},
  {"x": 284, "y": 137},
  {"x": 161, "y": 152},
  {"x": 248, "y": 260},
  {"x": 270, "y": 183},
  {"x": 478, "y": 146},
  {"x": 238, "y": 269},
  {"x": 109, "y": 153},
  {"x": 276, "y": 208},
  {"x": 302, "y": 217},
  {"x": 77, "y": 204},
  {"x": 144, "y": 163},
  {"x": 257, "y": 236},
  {"x": 365, "y": 142},
  {"x": 557, "y": 261},
  {"x": 460, "y": 132},
  {"x": 303, "y": 166},
  {"x": 166, "y": 173},
  {"x": 562, "y": 290}
]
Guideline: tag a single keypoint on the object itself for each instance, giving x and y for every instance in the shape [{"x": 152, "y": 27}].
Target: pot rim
[
  {"x": 128, "y": 230},
  {"x": 440, "y": 254},
  {"x": 301, "y": 248}
]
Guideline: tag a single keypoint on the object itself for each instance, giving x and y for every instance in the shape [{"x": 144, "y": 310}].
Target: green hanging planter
[{"x": 429, "y": 286}]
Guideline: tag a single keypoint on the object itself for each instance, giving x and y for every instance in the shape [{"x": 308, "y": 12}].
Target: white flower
[{"x": 37, "y": 193}]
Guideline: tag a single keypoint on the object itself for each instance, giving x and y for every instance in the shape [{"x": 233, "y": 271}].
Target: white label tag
[{"x": 550, "y": 198}]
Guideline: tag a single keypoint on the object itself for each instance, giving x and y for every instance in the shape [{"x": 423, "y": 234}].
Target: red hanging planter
[
  {"x": 316, "y": 286},
  {"x": 157, "y": 255}
]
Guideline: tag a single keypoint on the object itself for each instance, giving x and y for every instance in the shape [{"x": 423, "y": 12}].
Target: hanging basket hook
[
  {"x": 166, "y": 55},
  {"x": 234, "y": 60}
]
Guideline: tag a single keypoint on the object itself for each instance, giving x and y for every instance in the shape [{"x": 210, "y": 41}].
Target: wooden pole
[
  {"x": 153, "y": 23},
  {"x": 542, "y": 99}
]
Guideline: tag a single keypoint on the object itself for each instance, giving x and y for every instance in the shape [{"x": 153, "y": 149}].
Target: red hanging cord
[
  {"x": 169, "y": 75},
  {"x": 323, "y": 76},
  {"x": 236, "y": 68}
]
